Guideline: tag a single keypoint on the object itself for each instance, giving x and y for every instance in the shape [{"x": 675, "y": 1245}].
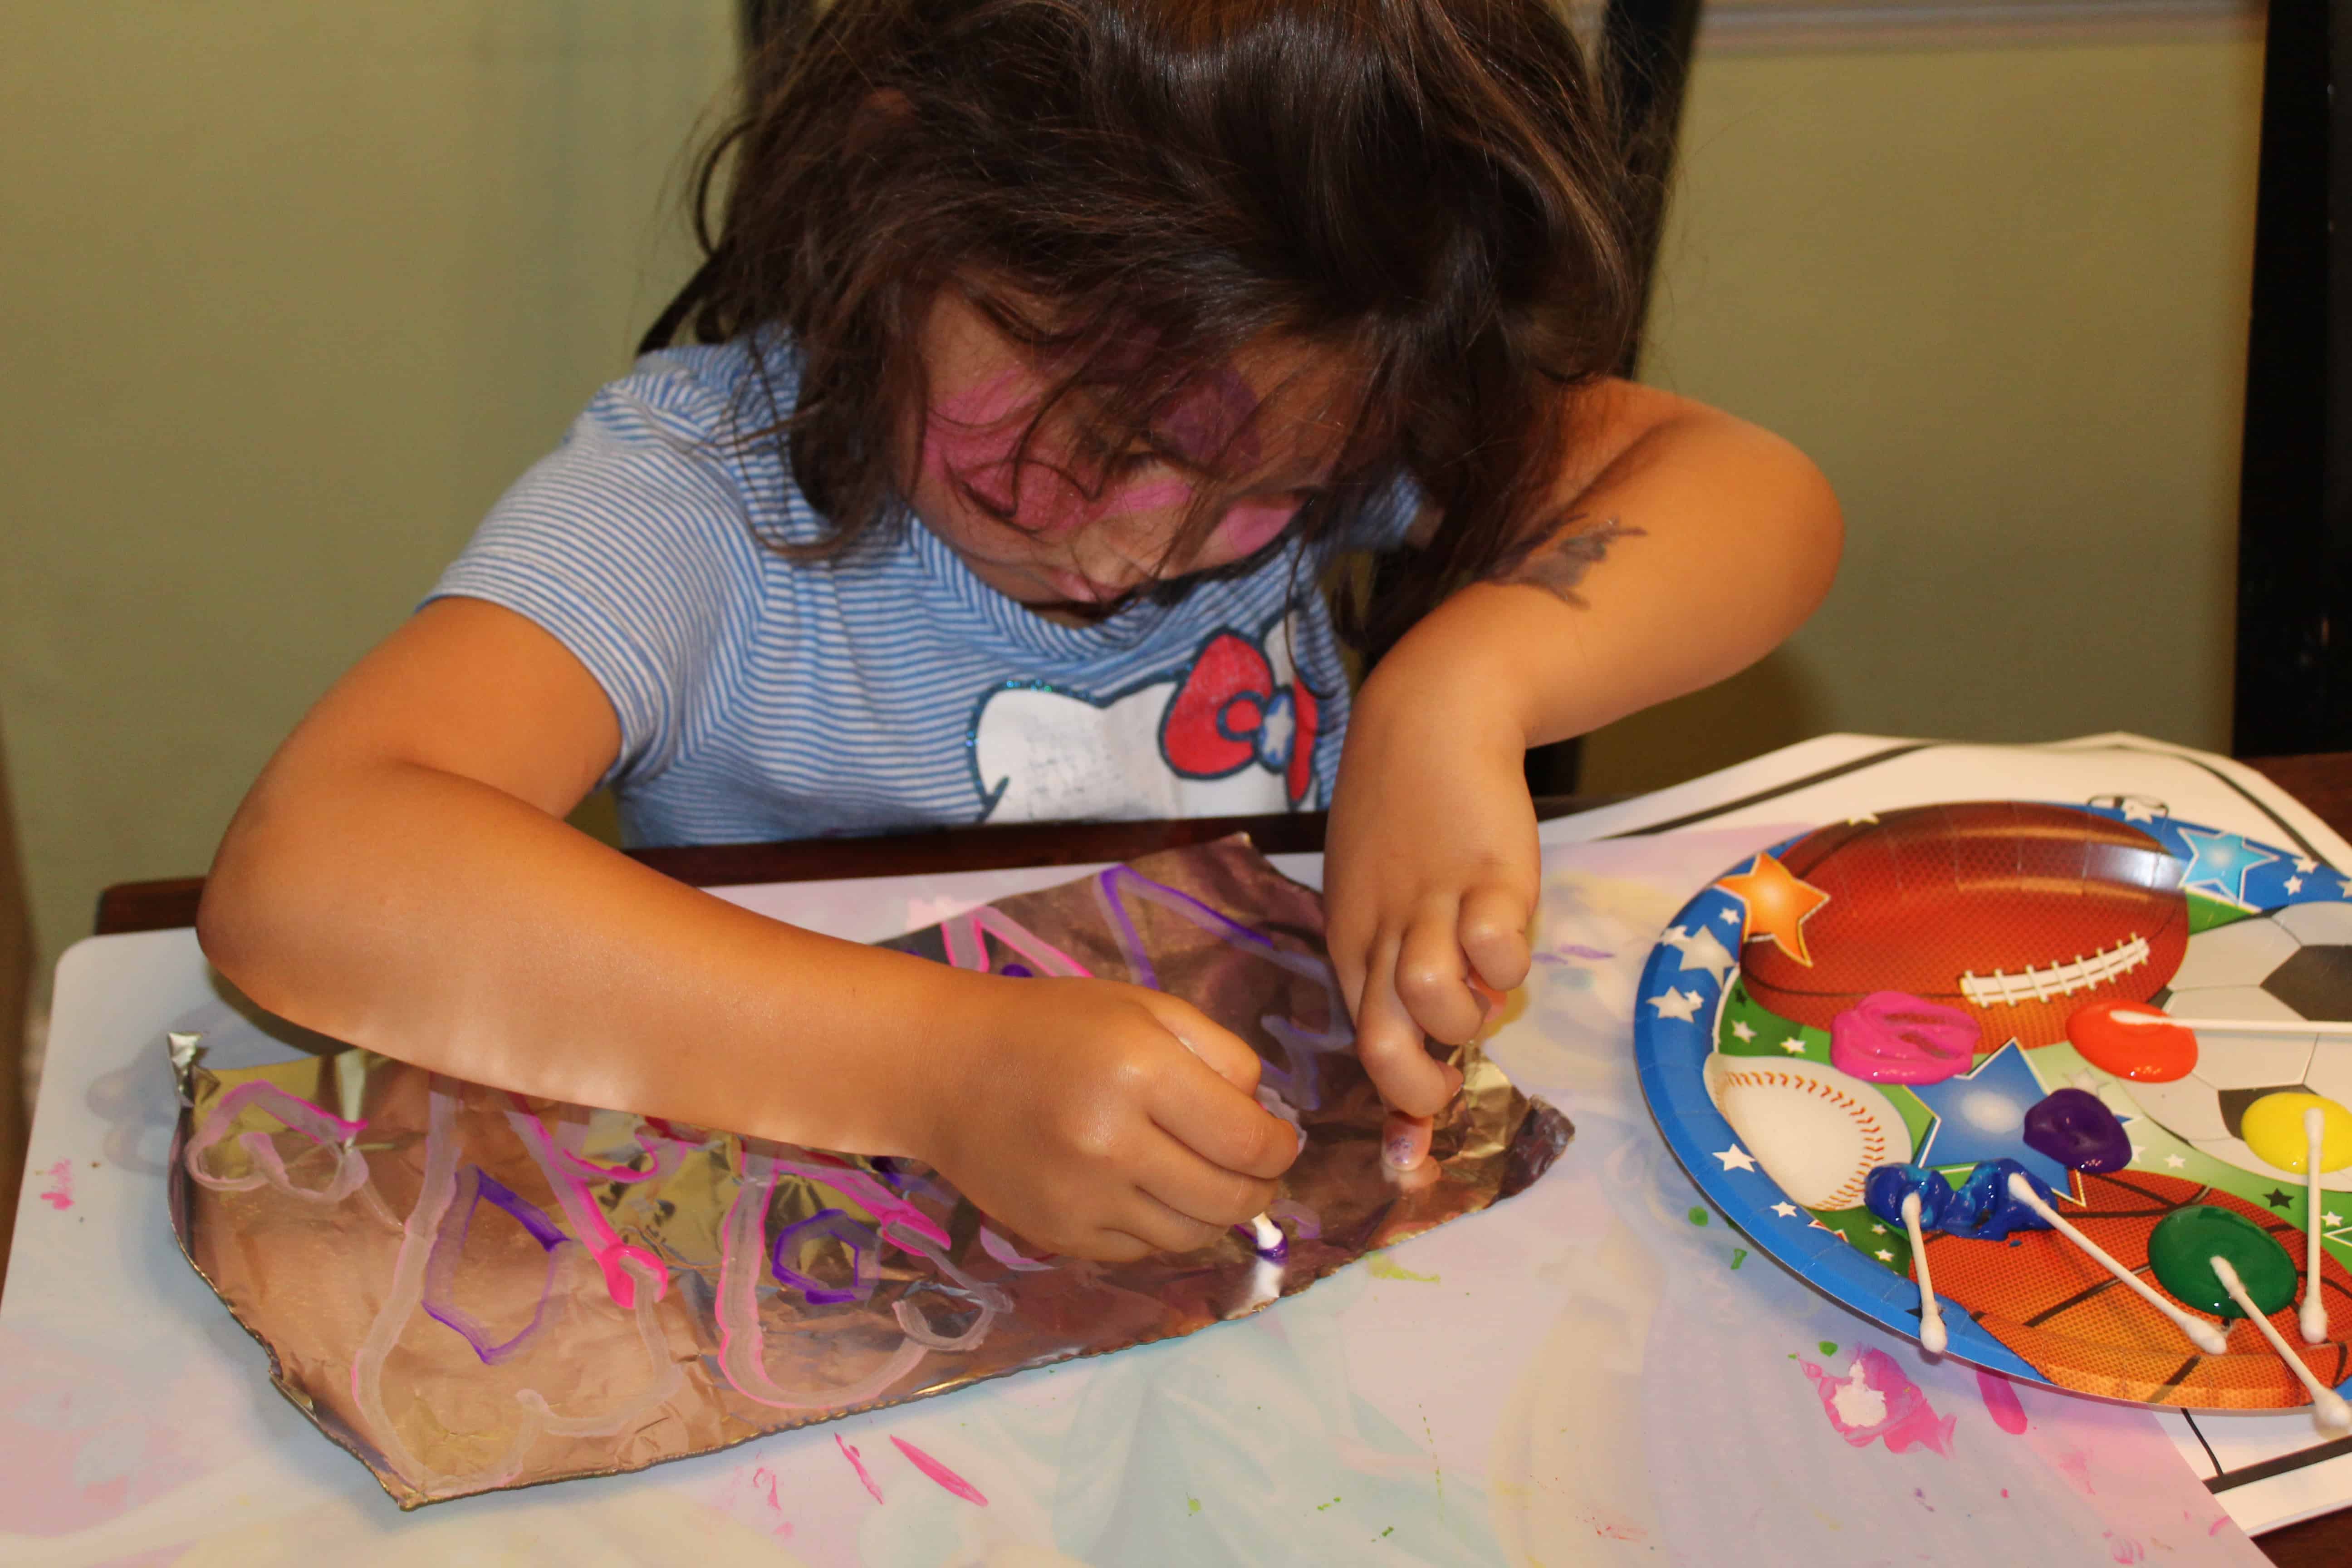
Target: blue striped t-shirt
[{"x": 764, "y": 698}]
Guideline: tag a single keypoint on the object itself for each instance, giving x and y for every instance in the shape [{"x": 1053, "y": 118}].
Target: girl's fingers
[
  {"x": 1493, "y": 927},
  {"x": 1163, "y": 1229},
  {"x": 1227, "y": 1054},
  {"x": 1186, "y": 1185},
  {"x": 1433, "y": 976},
  {"x": 1390, "y": 1043},
  {"x": 1222, "y": 1127},
  {"x": 1404, "y": 1141}
]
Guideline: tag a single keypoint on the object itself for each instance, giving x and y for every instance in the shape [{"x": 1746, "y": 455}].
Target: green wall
[
  {"x": 293, "y": 290},
  {"x": 2000, "y": 298}
]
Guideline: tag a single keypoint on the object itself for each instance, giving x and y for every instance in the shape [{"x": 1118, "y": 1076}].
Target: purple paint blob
[{"x": 2074, "y": 1128}]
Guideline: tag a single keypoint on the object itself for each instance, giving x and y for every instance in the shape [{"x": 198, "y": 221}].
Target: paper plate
[{"x": 2014, "y": 914}]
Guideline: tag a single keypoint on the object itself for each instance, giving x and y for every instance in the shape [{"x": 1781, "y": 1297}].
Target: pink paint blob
[
  {"x": 858, "y": 1465},
  {"x": 939, "y": 1473},
  {"x": 1875, "y": 1402},
  {"x": 58, "y": 1194},
  {"x": 1891, "y": 1036},
  {"x": 2075, "y": 1465},
  {"x": 2000, "y": 1402}
]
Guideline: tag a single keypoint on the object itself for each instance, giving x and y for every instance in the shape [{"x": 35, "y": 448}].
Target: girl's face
[{"x": 1073, "y": 550}]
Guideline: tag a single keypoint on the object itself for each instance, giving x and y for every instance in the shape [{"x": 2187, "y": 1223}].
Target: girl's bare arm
[{"x": 401, "y": 877}]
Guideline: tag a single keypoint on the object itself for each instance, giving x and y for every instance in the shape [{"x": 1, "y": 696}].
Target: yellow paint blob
[{"x": 2272, "y": 1129}]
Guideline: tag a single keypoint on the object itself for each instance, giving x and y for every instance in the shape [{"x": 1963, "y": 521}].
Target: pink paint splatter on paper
[
  {"x": 58, "y": 1194},
  {"x": 2000, "y": 1402},
  {"x": 2123, "y": 1549},
  {"x": 865, "y": 1479},
  {"x": 939, "y": 1473},
  {"x": 1874, "y": 1402}
]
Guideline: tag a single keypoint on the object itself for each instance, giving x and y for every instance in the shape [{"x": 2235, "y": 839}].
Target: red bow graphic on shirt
[{"x": 1229, "y": 713}]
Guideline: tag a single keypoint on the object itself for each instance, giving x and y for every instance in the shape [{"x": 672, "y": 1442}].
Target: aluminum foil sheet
[{"x": 472, "y": 1290}]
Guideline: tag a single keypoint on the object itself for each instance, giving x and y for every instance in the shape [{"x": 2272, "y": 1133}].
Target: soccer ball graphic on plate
[{"x": 2293, "y": 964}]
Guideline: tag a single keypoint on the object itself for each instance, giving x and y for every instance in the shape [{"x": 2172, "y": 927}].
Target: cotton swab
[
  {"x": 2326, "y": 1404},
  {"x": 1932, "y": 1338},
  {"x": 2313, "y": 1316},
  {"x": 2201, "y": 1334},
  {"x": 2151, "y": 1017}
]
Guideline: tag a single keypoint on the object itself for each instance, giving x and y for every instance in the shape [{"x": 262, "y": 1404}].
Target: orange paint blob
[{"x": 2157, "y": 1051}]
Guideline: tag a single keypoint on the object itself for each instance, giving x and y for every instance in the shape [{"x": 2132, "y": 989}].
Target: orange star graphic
[{"x": 1779, "y": 905}]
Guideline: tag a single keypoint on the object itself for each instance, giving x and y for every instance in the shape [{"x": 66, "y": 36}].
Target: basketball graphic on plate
[{"x": 1902, "y": 991}]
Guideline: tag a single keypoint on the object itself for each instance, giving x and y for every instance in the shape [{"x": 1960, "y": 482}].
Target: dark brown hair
[{"x": 1432, "y": 189}]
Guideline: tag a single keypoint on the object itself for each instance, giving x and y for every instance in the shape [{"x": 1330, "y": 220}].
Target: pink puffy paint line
[
  {"x": 58, "y": 1194},
  {"x": 622, "y": 1263},
  {"x": 2000, "y": 1402},
  {"x": 322, "y": 1126},
  {"x": 1875, "y": 1402},
  {"x": 939, "y": 1472},
  {"x": 865, "y": 1477}
]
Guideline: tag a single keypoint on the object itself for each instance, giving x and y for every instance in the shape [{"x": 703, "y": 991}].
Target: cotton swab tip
[
  {"x": 2312, "y": 1317},
  {"x": 1932, "y": 1336},
  {"x": 2327, "y": 1407}
]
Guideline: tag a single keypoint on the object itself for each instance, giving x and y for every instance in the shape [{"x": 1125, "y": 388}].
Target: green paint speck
[
  {"x": 1698, "y": 1217},
  {"x": 1389, "y": 1531},
  {"x": 1738, "y": 1256},
  {"x": 1321, "y": 1506},
  {"x": 1829, "y": 1347},
  {"x": 1385, "y": 1268},
  {"x": 1192, "y": 1505}
]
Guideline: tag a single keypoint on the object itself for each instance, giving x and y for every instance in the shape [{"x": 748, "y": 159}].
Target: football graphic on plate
[{"x": 2017, "y": 912}]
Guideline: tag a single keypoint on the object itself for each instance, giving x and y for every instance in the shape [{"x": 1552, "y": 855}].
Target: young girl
[{"x": 1049, "y": 356}]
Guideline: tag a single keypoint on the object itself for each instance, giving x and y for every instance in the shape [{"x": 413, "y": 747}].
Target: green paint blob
[
  {"x": 1829, "y": 1347},
  {"x": 1698, "y": 1217},
  {"x": 1739, "y": 1257},
  {"x": 2181, "y": 1248},
  {"x": 1192, "y": 1505},
  {"x": 1383, "y": 1267}
]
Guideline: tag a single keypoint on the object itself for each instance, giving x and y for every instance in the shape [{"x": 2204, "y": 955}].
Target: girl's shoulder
[{"x": 708, "y": 414}]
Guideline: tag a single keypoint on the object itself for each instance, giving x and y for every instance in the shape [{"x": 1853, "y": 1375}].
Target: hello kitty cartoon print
[{"x": 1234, "y": 732}]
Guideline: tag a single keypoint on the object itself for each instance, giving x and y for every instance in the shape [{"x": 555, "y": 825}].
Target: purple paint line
[
  {"x": 837, "y": 1225},
  {"x": 449, "y": 1250}
]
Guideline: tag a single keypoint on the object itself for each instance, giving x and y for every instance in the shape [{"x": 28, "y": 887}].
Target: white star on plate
[
  {"x": 2175, "y": 1161},
  {"x": 1794, "y": 1047},
  {"x": 1884, "y": 1255},
  {"x": 1729, "y": 917},
  {"x": 2137, "y": 811},
  {"x": 1680, "y": 1005},
  {"x": 1867, "y": 816},
  {"x": 2345, "y": 887},
  {"x": 1878, "y": 1230},
  {"x": 1785, "y": 1209},
  {"x": 1742, "y": 1030},
  {"x": 2138, "y": 1153},
  {"x": 2332, "y": 1219},
  {"x": 2294, "y": 884},
  {"x": 1736, "y": 1158},
  {"x": 1703, "y": 951},
  {"x": 2306, "y": 864}
]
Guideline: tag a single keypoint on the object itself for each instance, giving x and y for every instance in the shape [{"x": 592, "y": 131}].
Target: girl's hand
[
  {"x": 1105, "y": 1121},
  {"x": 1429, "y": 878}
]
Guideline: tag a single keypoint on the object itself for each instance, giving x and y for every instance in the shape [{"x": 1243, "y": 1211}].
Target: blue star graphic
[
  {"x": 2219, "y": 862},
  {"x": 1980, "y": 1115}
]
